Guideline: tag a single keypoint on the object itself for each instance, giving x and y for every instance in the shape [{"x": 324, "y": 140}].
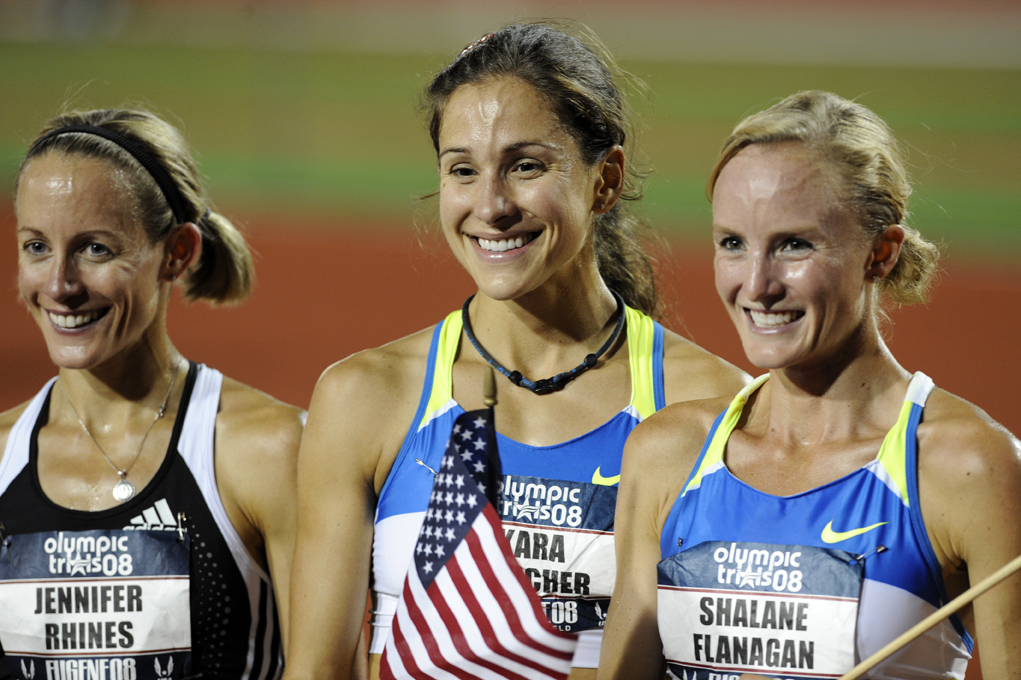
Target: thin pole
[{"x": 928, "y": 622}]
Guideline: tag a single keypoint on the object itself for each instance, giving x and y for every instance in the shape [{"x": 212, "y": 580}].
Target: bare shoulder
[
  {"x": 662, "y": 451},
  {"x": 679, "y": 427},
  {"x": 961, "y": 445},
  {"x": 374, "y": 377},
  {"x": 691, "y": 372},
  {"x": 257, "y": 422},
  {"x": 7, "y": 420},
  {"x": 362, "y": 408}
]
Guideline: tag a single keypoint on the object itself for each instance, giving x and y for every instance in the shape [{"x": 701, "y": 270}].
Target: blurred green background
[
  {"x": 303, "y": 117},
  {"x": 308, "y": 109}
]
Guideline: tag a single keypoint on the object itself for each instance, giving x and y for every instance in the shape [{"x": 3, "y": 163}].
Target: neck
[
  {"x": 540, "y": 333},
  {"x": 133, "y": 384},
  {"x": 849, "y": 394}
]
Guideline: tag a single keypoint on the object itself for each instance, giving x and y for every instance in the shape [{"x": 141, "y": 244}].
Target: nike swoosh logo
[
  {"x": 604, "y": 481},
  {"x": 831, "y": 536}
]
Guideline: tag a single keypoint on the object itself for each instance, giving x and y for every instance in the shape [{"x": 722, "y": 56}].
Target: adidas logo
[{"x": 155, "y": 518}]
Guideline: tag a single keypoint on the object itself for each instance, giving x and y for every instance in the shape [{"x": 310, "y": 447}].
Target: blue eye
[
  {"x": 97, "y": 250},
  {"x": 35, "y": 247}
]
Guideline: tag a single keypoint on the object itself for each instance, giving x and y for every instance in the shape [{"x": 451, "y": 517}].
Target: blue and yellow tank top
[
  {"x": 807, "y": 585},
  {"x": 557, "y": 501}
]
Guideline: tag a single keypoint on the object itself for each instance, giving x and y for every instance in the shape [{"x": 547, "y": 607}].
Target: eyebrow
[
  {"x": 510, "y": 148},
  {"x": 109, "y": 233}
]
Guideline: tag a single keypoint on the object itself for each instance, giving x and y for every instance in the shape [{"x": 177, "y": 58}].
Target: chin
[
  {"x": 767, "y": 358},
  {"x": 502, "y": 291},
  {"x": 73, "y": 358}
]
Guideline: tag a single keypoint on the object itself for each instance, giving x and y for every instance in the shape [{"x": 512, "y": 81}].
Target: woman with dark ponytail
[
  {"x": 152, "y": 496},
  {"x": 532, "y": 137}
]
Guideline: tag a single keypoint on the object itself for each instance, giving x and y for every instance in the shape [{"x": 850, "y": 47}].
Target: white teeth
[
  {"x": 68, "y": 321},
  {"x": 503, "y": 244},
  {"x": 771, "y": 319}
]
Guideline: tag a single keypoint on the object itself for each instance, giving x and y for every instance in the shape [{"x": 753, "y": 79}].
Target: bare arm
[
  {"x": 360, "y": 411},
  {"x": 657, "y": 459},
  {"x": 257, "y": 442},
  {"x": 970, "y": 493}
]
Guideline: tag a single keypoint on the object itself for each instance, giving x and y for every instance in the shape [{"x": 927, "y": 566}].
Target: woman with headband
[
  {"x": 530, "y": 130},
  {"x": 145, "y": 499},
  {"x": 839, "y": 499}
]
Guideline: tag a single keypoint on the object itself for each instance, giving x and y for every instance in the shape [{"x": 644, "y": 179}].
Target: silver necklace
[{"x": 124, "y": 490}]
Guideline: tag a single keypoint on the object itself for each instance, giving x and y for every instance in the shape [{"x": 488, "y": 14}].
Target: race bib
[
  {"x": 728, "y": 608},
  {"x": 562, "y": 535},
  {"x": 96, "y": 605}
]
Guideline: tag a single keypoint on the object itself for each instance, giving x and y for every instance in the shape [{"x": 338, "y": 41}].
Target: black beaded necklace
[{"x": 546, "y": 385}]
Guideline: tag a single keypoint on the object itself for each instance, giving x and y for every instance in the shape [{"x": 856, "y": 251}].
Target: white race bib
[
  {"x": 96, "y": 605},
  {"x": 727, "y": 608}
]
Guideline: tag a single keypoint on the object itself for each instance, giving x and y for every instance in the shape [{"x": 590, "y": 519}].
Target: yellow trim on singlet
[
  {"x": 714, "y": 452},
  {"x": 443, "y": 370},
  {"x": 891, "y": 453},
  {"x": 641, "y": 333}
]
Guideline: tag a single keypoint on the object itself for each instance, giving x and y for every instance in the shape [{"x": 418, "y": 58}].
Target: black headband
[{"x": 140, "y": 153}]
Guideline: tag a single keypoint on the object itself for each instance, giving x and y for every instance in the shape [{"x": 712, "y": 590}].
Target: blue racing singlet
[
  {"x": 557, "y": 501},
  {"x": 804, "y": 586}
]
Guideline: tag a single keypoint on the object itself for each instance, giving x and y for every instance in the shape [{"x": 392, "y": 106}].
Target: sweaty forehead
[
  {"x": 788, "y": 171},
  {"x": 780, "y": 186},
  {"x": 60, "y": 185},
  {"x": 499, "y": 111}
]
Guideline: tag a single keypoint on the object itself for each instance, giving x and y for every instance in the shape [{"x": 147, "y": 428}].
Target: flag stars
[
  {"x": 448, "y": 498},
  {"x": 479, "y": 467},
  {"x": 427, "y": 567},
  {"x": 460, "y": 517},
  {"x": 480, "y": 423},
  {"x": 450, "y": 534},
  {"x": 479, "y": 443},
  {"x": 459, "y": 500},
  {"x": 459, "y": 482},
  {"x": 450, "y": 516},
  {"x": 471, "y": 501}
]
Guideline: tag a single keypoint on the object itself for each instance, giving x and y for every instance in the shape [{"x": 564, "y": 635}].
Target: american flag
[{"x": 467, "y": 609}]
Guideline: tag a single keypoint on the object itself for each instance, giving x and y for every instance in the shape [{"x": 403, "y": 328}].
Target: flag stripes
[{"x": 467, "y": 609}]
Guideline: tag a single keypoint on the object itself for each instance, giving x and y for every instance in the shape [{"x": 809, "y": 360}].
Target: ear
[
  {"x": 885, "y": 252},
  {"x": 183, "y": 248},
  {"x": 610, "y": 181}
]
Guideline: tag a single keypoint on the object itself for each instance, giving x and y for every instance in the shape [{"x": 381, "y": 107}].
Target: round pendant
[{"x": 123, "y": 491}]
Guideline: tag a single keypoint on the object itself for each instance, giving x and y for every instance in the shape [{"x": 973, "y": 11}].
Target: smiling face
[
  {"x": 86, "y": 270},
  {"x": 792, "y": 259},
  {"x": 516, "y": 198}
]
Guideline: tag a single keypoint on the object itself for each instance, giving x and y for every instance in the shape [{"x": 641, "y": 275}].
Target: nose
[
  {"x": 63, "y": 280},
  {"x": 763, "y": 281},
  {"x": 494, "y": 201}
]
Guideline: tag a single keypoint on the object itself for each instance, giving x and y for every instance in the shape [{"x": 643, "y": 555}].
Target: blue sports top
[
  {"x": 557, "y": 501},
  {"x": 806, "y": 585}
]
